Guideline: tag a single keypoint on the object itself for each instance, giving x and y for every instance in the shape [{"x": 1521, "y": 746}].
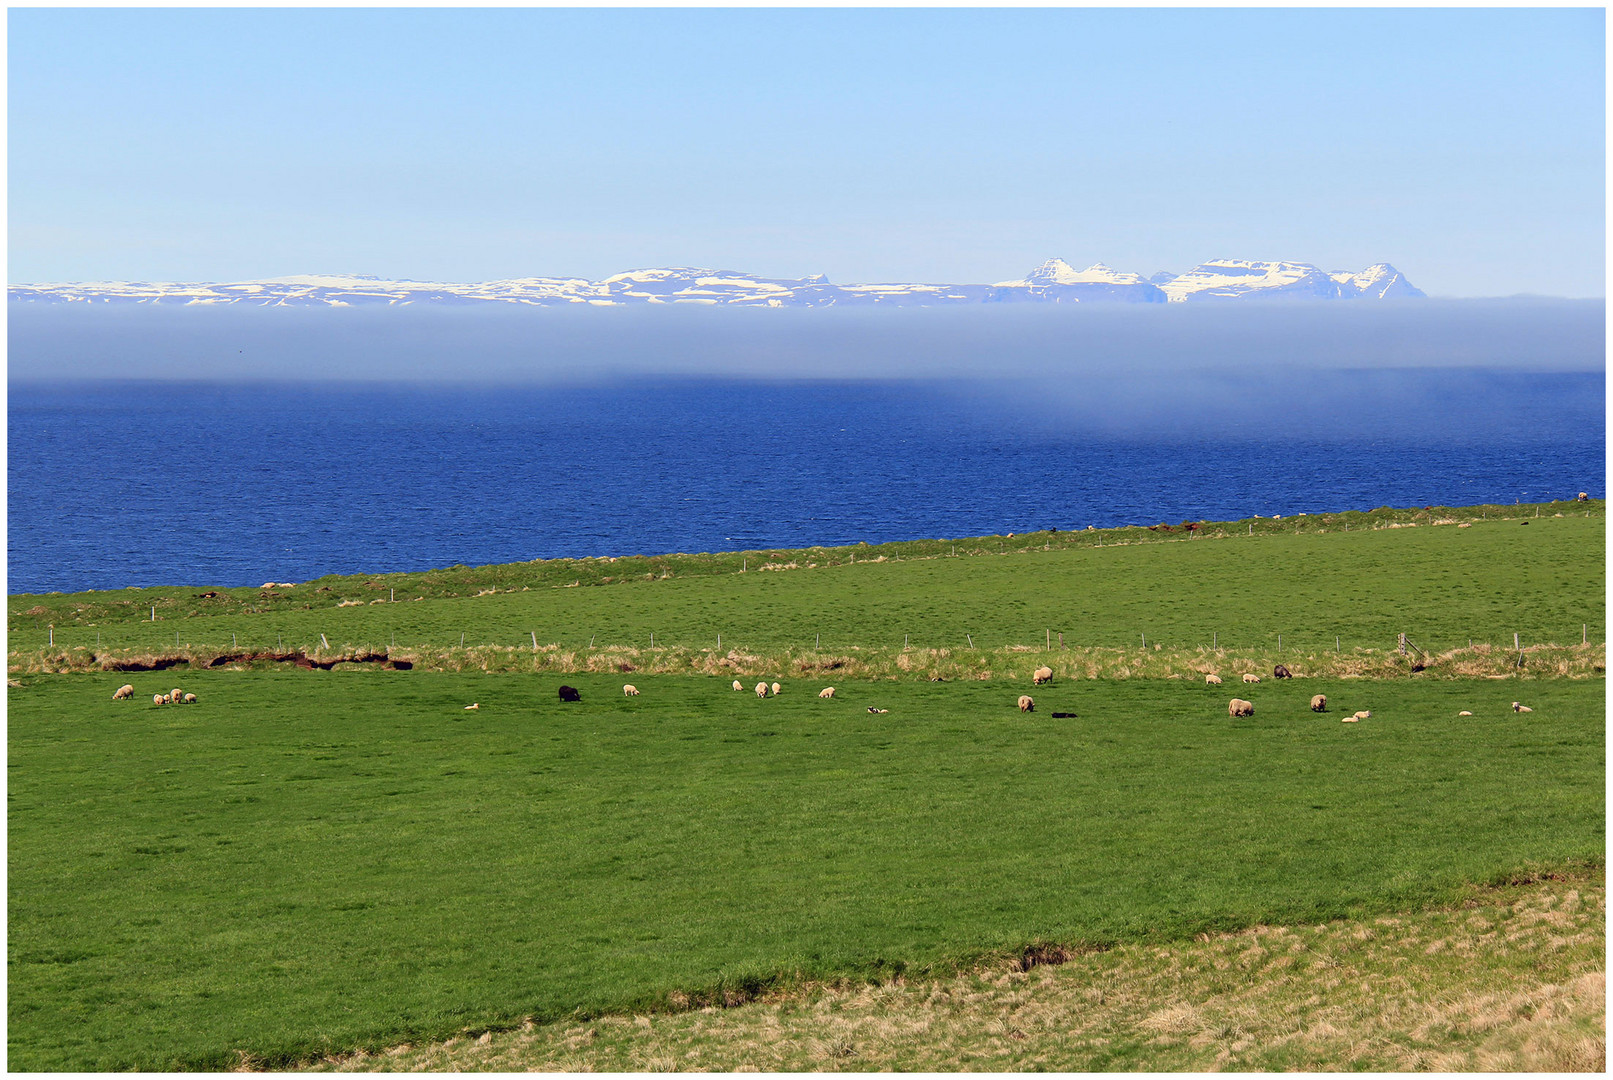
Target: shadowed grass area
[
  {"x": 1512, "y": 979},
  {"x": 306, "y": 862}
]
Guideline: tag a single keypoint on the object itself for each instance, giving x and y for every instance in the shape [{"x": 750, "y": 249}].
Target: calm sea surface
[{"x": 139, "y": 484}]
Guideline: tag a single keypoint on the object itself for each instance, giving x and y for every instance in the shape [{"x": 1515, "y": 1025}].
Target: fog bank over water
[{"x": 476, "y": 344}]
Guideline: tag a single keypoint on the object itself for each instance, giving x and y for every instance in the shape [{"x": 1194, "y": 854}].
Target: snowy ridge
[{"x": 1055, "y": 281}]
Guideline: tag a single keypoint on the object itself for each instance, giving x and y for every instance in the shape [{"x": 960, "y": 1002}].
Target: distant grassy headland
[{"x": 1474, "y": 589}]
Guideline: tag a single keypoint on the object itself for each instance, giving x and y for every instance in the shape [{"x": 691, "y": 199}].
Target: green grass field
[
  {"x": 312, "y": 861},
  {"x": 307, "y": 861}
]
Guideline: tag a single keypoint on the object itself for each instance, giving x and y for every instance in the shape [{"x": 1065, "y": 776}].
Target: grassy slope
[
  {"x": 1512, "y": 979},
  {"x": 1441, "y": 585},
  {"x": 310, "y": 861}
]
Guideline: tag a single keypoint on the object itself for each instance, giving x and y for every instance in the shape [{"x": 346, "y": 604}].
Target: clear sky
[{"x": 1464, "y": 146}]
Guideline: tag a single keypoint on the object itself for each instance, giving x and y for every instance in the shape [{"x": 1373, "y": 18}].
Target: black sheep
[{"x": 569, "y": 693}]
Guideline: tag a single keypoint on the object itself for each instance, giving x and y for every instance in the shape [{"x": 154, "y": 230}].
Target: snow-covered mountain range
[{"x": 1055, "y": 281}]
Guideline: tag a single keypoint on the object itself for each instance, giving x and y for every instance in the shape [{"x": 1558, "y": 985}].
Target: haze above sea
[{"x": 115, "y": 484}]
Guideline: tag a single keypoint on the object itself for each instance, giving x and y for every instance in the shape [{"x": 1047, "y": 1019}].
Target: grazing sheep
[
  {"x": 168, "y": 699},
  {"x": 1520, "y": 708},
  {"x": 1250, "y": 677},
  {"x": 874, "y": 710},
  {"x": 156, "y": 699},
  {"x": 569, "y": 693},
  {"x": 1319, "y": 703},
  {"x": 189, "y": 699},
  {"x": 1042, "y": 675},
  {"x": 1026, "y": 704},
  {"x": 775, "y": 689},
  {"x": 1239, "y": 707},
  {"x": 473, "y": 705},
  {"x": 761, "y": 689},
  {"x": 1464, "y": 712},
  {"x": 1212, "y": 680},
  {"x": 827, "y": 691},
  {"x": 175, "y": 694},
  {"x": 738, "y": 685},
  {"x": 1583, "y": 497},
  {"x": 630, "y": 690},
  {"x": 1281, "y": 672},
  {"x": 1363, "y": 714},
  {"x": 124, "y": 691}
]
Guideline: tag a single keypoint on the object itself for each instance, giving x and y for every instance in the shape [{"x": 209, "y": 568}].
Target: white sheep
[
  {"x": 473, "y": 705},
  {"x": 1240, "y": 707},
  {"x": 1026, "y": 704},
  {"x": 775, "y": 689},
  {"x": 1349, "y": 719},
  {"x": 1520, "y": 708},
  {"x": 1319, "y": 703},
  {"x": 1212, "y": 680},
  {"x": 156, "y": 699},
  {"x": 630, "y": 690},
  {"x": 124, "y": 691},
  {"x": 827, "y": 691},
  {"x": 761, "y": 689},
  {"x": 1363, "y": 714},
  {"x": 1250, "y": 677},
  {"x": 175, "y": 694},
  {"x": 1042, "y": 675},
  {"x": 738, "y": 685},
  {"x": 189, "y": 699},
  {"x": 1464, "y": 712}
]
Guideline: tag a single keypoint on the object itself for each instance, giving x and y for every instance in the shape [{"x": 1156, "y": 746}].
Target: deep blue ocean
[{"x": 118, "y": 484}]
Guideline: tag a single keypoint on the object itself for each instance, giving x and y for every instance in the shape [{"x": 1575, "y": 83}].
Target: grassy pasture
[
  {"x": 314, "y": 861},
  {"x": 1313, "y": 584}
]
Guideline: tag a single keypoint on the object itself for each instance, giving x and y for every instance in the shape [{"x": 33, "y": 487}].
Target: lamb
[
  {"x": 874, "y": 710},
  {"x": 124, "y": 691},
  {"x": 1319, "y": 703},
  {"x": 1363, "y": 714},
  {"x": 569, "y": 693},
  {"x": 190, "y": 699},
  {"x": 630, "y": 690},
  {"x": 1520, "y": 708},
  {"x": 737, "y": 685},
  {"x": 775, "y": 689},
  {"x": 1349, "y": 719},
  {"x": 156, "y": 699},
  {"x": 1250, "y": 677},
  {"x": 473, "y": 705},
  {"x": 1212, "y": 680},
  {"x": 1042, "y": 675},
  {"x": 827, "y": 691},
  {"x": 1281, "y": 672},
  {"x": 1026, "y": 704},
  {"x": 1239, "y": 707},
  {"x": 761, "y": 689},
  {"x": 1464, "y": 712}
]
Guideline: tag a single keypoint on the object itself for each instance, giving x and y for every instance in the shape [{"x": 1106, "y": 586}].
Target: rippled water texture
[{"x": 149, "y": 483}]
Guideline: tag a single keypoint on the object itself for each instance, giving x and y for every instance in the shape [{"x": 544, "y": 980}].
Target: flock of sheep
[{"x": 176, "y": 696}]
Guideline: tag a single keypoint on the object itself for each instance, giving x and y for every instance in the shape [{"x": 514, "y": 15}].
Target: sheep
[
  {"x": 874, "y": 710},
  {"x": 1281, "y": 672},
  {"x": 630, "y": 690},
  {"x": 1464, "y": 712},
  {"x": 1212, "y": 680},
  {"x": 1583, "y": 497},
  {"x": 168, "y": 699},
  {"x": 1363, "y": 714},
  {"x": 175, "y": 694},
  {"x": 473, "y": 705},
  {"x": 190, "y": 699},
  {"x": 1042, "y": 675},
  {"x": 1250, "y": 677},
  {"x": 156, "y": 699},
  {"x": 775, "y": 689},
  {"x": 827, "y": 691},
  {"x": 1239, "y": 707},
  {"x": 1349, "y": 719},
  {"x": 1319, "y": 703},
  {"x": 1026, "y": 704},
  {"x": 569, "y": 693},
  {"x": 761, "y": 689},
  {"x": 1520, "y": 708},
  {"x": 738, "y": 685},
  {"x": 124, "y": 691}
]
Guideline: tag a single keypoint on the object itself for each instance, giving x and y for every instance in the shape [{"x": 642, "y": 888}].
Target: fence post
[{"x": 1402, "y": 645}]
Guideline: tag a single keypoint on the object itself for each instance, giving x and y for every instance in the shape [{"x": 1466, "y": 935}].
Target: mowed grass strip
[
  {"x": 1513, "y": 979},
  {"x": 1442, "y": 585},
  {"x": 304, "y": 862}
]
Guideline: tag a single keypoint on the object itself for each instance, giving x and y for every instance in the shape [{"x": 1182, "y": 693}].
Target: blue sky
[{"x": 1464, "y": 146}]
